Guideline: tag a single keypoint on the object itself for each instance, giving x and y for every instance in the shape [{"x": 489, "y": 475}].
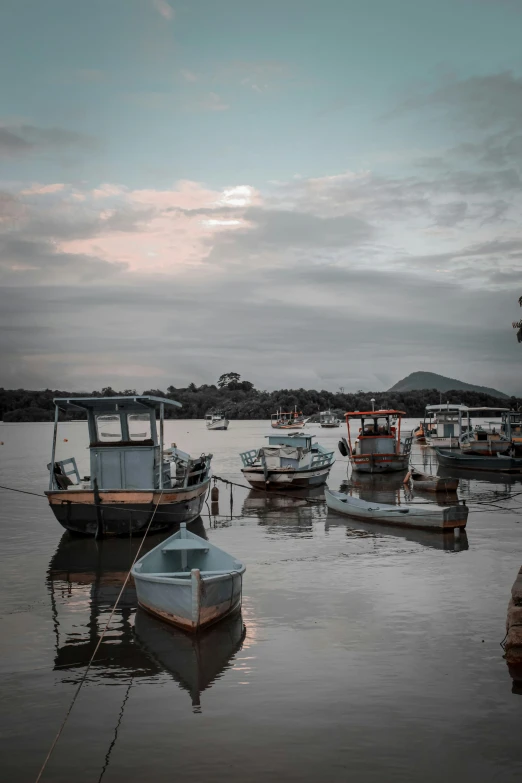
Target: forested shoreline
[{"x": 240, "y": 400}]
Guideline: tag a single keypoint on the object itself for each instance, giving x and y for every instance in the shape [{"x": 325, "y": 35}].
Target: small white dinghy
[
  {"x": 188, "y": 581},
  {"x": 422, "y": 516}
]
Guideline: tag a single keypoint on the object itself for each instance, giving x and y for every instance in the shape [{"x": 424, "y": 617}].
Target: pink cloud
[
  {"x": 163, "y": 8},
  {"x": 41, "y": 190}
]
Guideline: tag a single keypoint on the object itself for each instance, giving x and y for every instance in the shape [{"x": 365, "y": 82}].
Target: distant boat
[
  {"x": 327, "y": 419},
  {"x": 498, "y": 463},
  {"x": 430, "y": 517},
  {"x": 189, "y": 582},
  {"x": 429, "y": 483},
  {"x": 288, "y": 461},
  {"x": 378, "y": 447},
  {"x": 131, "y": 482},
  {"x": 216, "y": 421},
  {"x": 487, "y": 438},
  {"x": 293, "y": 420},
  {"x": 511, "y": 427}
]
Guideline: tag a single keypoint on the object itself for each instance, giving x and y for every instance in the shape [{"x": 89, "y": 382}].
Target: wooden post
[
  {"x": 53, "y": 451},
  {"x": 162, "y": 416},
  {"x": 99, "y": 516}
]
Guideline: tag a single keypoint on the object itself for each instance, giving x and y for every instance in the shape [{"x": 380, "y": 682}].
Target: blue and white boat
[
  {"x": 287, "y": 461},
  {"x": 189, "y": 582}
]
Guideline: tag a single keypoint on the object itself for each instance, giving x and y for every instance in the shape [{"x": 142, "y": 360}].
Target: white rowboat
[{"x": 426, "y": 516}]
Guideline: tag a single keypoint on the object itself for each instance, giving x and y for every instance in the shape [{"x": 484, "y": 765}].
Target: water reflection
[
  {"x": 292, "y": 512},
  {"x": 515, "y": 672},
  {"x": 194, "y": 662},
  {"x": 84, "y": 580}
]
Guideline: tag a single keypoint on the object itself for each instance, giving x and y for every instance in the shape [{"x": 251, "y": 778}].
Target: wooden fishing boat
[
  {"x": 429, "y": 483},
  {"x": 289, "y": 461},
  {"x": 131, "y": 481},
  {"x": 292, "y": 420},
  {"x": 430, "y": 517},
  {"x": 216, "y": 421},
  {"x": 486, "y": 438},
  {"x": 189, "y": 582},
  {"x": 442, "y": 425},
  {"x": 378, "y": 447},
  {"x": 328, "y": 420},
  {"x": 498, "y": 463}
]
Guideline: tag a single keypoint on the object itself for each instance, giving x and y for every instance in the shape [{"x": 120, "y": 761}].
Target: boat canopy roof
[
  {"x": 464, "y": 408},
  {"x": 135, "y": 404},
  {"x": 358, "y": 414},
  {"x": 448, "y": 406}
]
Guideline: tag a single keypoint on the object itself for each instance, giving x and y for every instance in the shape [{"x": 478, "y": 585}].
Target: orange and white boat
[
  {"x": 293, "y": 420},
  {"x": 378, "y": 447}
]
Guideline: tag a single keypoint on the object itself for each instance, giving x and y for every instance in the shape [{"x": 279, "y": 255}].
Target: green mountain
[{"x": 417, "y": 381}]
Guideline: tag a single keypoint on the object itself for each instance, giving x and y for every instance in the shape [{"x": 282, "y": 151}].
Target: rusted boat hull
[
  {"x": 126, "y": 512},
  {"x": 379, "y": 463}
]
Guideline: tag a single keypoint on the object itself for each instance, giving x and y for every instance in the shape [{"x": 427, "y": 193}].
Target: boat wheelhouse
[
  {"x": 442, "y": 425},
  {"x": 288, "y": 461},
  {"x": 511, "y": 427},
  {"x": 131, "y": 481},
  {"x": 216, "y": 421},
  {"x": 288, "y": 420},
  {"x": 328, "y": 420},
  {"x": 378, "y": 447},
  {"x": 487, "y": 437}
]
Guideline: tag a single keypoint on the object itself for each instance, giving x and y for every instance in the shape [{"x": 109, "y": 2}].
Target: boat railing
[
  {"x": 248, "y": 457},
  {"x": 407, "y": 445},
  {"x": 60, "y": 474},
  {"x": 321, "y": 460}
]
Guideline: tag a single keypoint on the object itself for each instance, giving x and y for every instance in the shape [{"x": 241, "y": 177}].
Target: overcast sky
[{"x": 315, "y": 193}]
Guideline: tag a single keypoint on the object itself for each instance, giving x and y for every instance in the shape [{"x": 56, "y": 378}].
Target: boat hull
[
  {"x": 485, "y": 448},
  {"x": 435, "y": 518},
  {"x": 379, "y": 463},
  {"x": 126, "y": 512},
  {"x": 219, "y": 425},
  {"x": 173, "y": 600},
  {"x": 329, "y": 426},
  {"x": 497, "y": 464},
  {"x": 443, "y": 443},
  {"x": 287, "y": 478}
]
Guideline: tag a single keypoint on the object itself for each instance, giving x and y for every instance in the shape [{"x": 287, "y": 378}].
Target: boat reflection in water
[
  {"x": 389, "y": 489},
  {"x": 294, "y": 512},
  {"x": 84, "y": 579},
  {"x": 194, "y": 661}
]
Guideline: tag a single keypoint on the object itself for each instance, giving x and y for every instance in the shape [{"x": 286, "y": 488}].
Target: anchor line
[{"x": 100, "y": 640}]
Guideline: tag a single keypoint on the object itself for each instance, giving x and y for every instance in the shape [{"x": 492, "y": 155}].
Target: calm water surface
[{"x": 363, "y": 653}]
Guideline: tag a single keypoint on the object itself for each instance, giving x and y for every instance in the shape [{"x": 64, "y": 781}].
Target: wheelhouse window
[
  {"x": 139, "y": 426},
  {"x": 108, "y": 427}
]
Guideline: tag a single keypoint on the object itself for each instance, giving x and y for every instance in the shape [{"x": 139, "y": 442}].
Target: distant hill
[{"x": 418, "y": 381}]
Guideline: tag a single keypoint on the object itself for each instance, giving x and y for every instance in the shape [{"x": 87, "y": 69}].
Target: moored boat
[
  {"x": 430, "y": 517},
  {"x": 430, "y": 483},
  {"x": 289, "y": 420},
  {"x": 189, "y": 582},
  {"x": 216, "y": 421},
  {"x": 486, "y": 438},
  {"x": 131, "y": 482},
  {"x": 287, "y": 461},
  {"x": 328, "y": 420},
  {"x": 442, "y": 425},
  {"x": 498, "y": 463},
  {"x": 378, "y": 447}
]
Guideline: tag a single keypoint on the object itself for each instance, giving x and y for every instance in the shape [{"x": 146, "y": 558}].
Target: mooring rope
[{"x": 100, "y": 640}]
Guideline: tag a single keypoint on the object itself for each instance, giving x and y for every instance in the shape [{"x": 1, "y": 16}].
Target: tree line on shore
[{"x": 240, "y": 400}]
